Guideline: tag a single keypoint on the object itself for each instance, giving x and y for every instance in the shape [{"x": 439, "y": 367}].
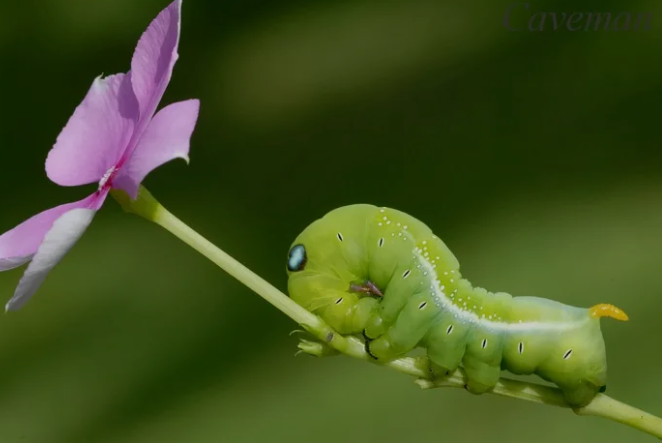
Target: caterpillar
[{"x": 383, "y": 274}]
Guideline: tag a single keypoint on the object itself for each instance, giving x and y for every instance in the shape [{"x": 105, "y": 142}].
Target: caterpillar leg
[
  {"x": 410, "y": 327},
  {"x": 403, "y": 282},
  {"x": 481, "y": 376},
  {"x": 349, "y": 314},
  {"x": 446, "y": 343},
  {"x": 482, "y": 361},
  {"x": 581, "y": 394}
]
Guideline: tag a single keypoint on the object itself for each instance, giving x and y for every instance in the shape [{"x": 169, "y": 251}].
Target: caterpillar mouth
[{"x": 367, "y": 287}]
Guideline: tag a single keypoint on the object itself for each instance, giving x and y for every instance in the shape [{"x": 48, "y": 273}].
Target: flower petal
[
  {"x": 167, "y": 137},
  {"x": 96, "y": 135},
  {"x": 19, "y": 245},
  {"x": 64, "y": 234},
  {"x": 154, "y": 59}
]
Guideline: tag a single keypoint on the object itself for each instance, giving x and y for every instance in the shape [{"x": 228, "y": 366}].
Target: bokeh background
[{"x": 535, "y": 156}]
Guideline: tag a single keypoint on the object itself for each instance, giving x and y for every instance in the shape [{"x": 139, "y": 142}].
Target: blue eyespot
[{"x": 296, "y": 260}]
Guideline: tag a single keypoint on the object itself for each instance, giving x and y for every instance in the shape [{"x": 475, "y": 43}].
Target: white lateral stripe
[{"x": 470, "y": 317}]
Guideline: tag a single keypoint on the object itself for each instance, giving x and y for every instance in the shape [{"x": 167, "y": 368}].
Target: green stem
[{"x": 601, "y": 406}]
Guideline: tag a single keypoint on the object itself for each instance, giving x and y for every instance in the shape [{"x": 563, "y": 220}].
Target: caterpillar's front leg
[
  {"x": 410, "y": 327},
  {"x": 349, "y": 313}
]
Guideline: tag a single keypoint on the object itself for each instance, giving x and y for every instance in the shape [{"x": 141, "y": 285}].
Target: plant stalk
[{"x": 602, "y": 405}]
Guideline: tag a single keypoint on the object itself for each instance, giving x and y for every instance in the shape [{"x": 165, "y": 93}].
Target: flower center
[{"x": 107, "y": 178}]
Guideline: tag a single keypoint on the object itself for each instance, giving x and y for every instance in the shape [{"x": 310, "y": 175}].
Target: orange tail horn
[{"x": 605, "y": 310}]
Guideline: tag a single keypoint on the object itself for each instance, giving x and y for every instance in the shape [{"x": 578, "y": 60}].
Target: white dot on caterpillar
[
  {"x": 381, "y": 242},
  {"x": 567, "y": 354},
  {"x": 452, "y": 272},
  {"x": 484, "y": 343},
  {"x": 425, "y": 273},
  {"x": 385, "y": 218},
  {"x": 392, "y": 235},
  {"x": 483, "y": 314},
  {"x": 399, "y": 224},
  {"x": 474, "y": 306},
  {"x": 519, "y": 321},
  {"x": 489, "y": 317},
  {"x": 452, "y": 280},
  {"x": 459, "y": 299},
  {"x": 399, "y": 234},
  {"x": 379, "y": 224},
  {"x": 437, "y": 258},
  {"x": 340, "y": 237},
  {"x": 404, "y": 227},
  {"x": 381, "y": 210},
  {"x": 425, "y": 242},
  {"x": 388, "y": 222}
]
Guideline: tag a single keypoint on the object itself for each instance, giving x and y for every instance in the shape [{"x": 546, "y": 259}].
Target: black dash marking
[
  {"x": 329, "y": 337},
  {"x": 449, "y": 330},
  {"x": 484, "y": 343},
  {"x": 567, "y": 354},
  {"x": 339, "y": 301},
  {"x": 365, "y": 336},
  {"x": 406, "y": 274},
  {"x": 603, "y": 388},
  {"x": 381, "y": 242},
  {"x": 520, "y": 347},
  {"x": 422, "y": 305},
  {"x": 340, "y": 237}
]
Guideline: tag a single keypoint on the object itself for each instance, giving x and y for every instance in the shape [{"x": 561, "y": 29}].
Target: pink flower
[{"x": 114, "y": 139}]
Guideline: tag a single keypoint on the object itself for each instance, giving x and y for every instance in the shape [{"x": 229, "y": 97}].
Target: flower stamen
[{"x": 107, "y": 178}]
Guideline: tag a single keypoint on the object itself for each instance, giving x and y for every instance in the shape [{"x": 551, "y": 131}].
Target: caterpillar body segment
[{"x": 383, "y": 274}]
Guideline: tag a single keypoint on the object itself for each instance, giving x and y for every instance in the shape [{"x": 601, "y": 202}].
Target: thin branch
[{"x": 330, "y": 342}]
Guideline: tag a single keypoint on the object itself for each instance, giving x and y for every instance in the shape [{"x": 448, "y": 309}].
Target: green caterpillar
[{"x": 382, "y": 273}]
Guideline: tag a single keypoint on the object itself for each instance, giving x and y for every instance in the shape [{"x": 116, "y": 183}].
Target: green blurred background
[{"x": 535, "y": 156}]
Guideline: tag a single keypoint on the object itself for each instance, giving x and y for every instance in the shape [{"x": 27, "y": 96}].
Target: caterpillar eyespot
[
  {"x": 296, "y": 260},
  {"x": 346, "y": 260}
]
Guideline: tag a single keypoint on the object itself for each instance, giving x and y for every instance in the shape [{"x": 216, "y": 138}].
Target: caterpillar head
[{"x": 327, "y": 254}]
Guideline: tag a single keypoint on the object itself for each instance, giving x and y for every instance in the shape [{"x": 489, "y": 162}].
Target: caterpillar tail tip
[{"x": 606, "y": 310}]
